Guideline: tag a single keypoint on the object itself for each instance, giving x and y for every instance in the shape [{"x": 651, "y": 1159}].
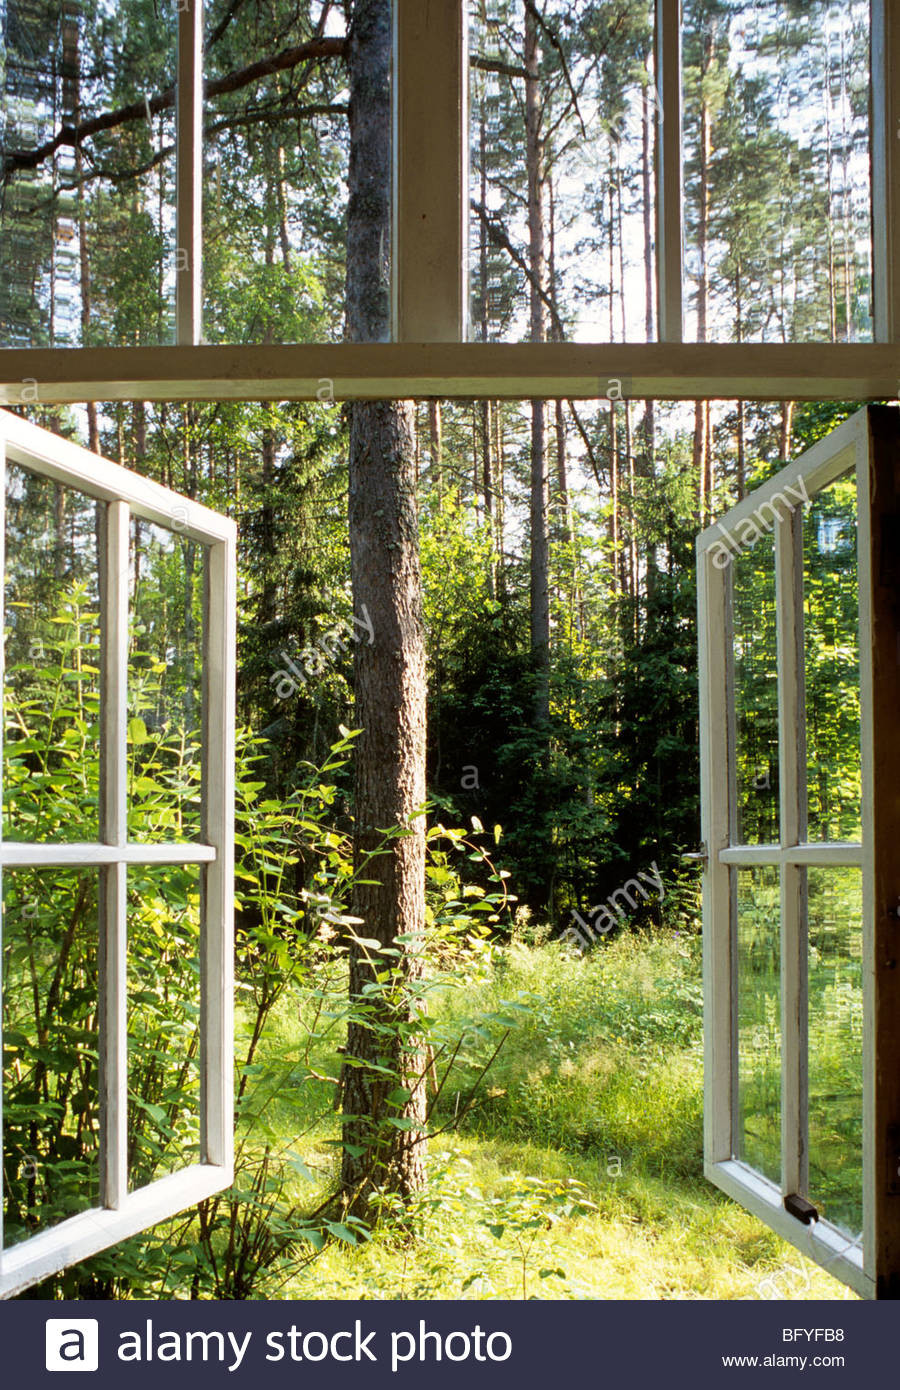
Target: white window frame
[
  {"x": 853, "y": 446},
  {"x": 123, "y": 494}
]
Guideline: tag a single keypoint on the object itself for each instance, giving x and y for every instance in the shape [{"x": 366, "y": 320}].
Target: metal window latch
[
  {"x": 799, "y": 1207},
  {"x": 699, "y": 856}
]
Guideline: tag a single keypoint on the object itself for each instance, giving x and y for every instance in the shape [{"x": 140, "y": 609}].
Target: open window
[
  {"x": 116, "y": 853},
  {"x": 799, "y": 698}
]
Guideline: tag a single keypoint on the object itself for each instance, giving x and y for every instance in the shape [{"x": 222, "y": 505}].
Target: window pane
[
  {"x": 562, "y": 215},
  {"x": 275, "y": 186},
  {"x": 87, "y": 228},
  {"x": 50, "y": 1081},
  {"x": 759, "y": 1020},
  {"x": 776, "y": 160},
  {"x": 164, "y": 691},
  {"x": 163, "y": 1021},
  {"x": 831, "y": 635},
  {"x": 835, "y": 1045},
  {"x": 51, "y": 757},
  {"x": 756, "y": 693}
]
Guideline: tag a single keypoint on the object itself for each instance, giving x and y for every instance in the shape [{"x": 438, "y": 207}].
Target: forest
[{"x": 528, "y": 1119}]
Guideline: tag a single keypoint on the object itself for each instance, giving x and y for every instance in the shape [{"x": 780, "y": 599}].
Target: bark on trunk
[
  {"x": 436, "y": 432},
  {"x": 389, "y": 672},
  {"x": 540, "y": 483}
]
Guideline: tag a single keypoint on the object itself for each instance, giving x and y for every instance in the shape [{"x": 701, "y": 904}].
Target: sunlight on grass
[{"x": 577, "y": 1171}]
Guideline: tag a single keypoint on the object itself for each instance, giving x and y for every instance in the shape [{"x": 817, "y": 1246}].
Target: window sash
[
  {"x": 122, "y": 1213},
  {"x": 846, "y": 448}
]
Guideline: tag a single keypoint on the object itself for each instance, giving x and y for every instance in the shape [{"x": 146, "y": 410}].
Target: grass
[{"x": 577, "y": 1174}]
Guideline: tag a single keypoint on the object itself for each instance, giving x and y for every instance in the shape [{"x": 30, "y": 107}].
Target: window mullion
[
  {"x": 113, "y": 877},
  {"x": 792, "y": 783},
  {"x": 189, "y": 173},
  {"x": 718, "y": 955},
  {"x": 885, "y": 109},
  {"x": 217, "y": 906},
  {"x": 431, "y": 172},
  {"x": 669, "y": 194}
]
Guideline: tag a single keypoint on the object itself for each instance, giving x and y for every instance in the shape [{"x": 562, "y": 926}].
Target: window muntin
[{"x": 154, "y": 920}]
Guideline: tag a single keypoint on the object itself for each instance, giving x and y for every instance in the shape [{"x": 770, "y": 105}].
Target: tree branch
[
  {"x": 143, "y": 110},
  {"x": 499, "y": 237},
  {"x": 555, "y": 43},
  {"x": 495, "y": 65},
  {"x": 586, "y": 439}
]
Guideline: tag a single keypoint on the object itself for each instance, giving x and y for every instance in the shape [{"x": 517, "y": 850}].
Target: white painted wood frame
[
  {"x": 669, "y": 194},
  {"x": 189, "y": 173},
  {"x": 885, "y": 156},
  {"x": 122, "y": 494},
  {"x": 502, "y": 371},
  {"x": 430, "y": 253},
  {"x": 848, "y": 448}
]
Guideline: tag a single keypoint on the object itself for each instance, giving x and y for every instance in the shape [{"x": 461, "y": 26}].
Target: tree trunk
[
  {"x": 787, "y": 424},
  {"x": 389, "y": 673},
  {"x": 436, "y": 432},
  {"x": 540, "y": 482}
]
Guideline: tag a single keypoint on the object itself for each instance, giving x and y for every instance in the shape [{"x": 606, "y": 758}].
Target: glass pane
[
  {"x": 831, "y": 635},
  {"x": 562, "y": 207},
  {"x": 51, "y": 749},
  {"x": 50, "y": 1080},
  {"x": 163, "y": 1021},
  {"x": 776, "y": 159},
  {"x": 759, "y": 1019},
  {"x": 164, "y": 691},
  {"x": 275, "y": 187},
  {"x": 756, "y": 693},
  {"x": 835, "y": 1045},
  {"x": 88, "y": 226}
]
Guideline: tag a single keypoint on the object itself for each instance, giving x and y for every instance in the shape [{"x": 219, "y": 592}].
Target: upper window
[
  {"x": 116, "y": 853},
  {"x": 733, "y": 151}
]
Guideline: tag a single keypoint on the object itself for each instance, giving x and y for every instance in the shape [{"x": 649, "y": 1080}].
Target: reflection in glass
[
  {"x": 586, "y": 163},
  {"x": 776, "y": 163},
  {"x": 163, "y": 1021},
  {"x": 759, "y": 1019},
  {"x": 831, "y": 638},
  {"x": 51, "y": 751},
  {"x": 756, "y": 692},
  {"x": 835, "y": 1045},
  {"x": 50, "y": 1048},
  {"x": 164, "y": 683}
]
